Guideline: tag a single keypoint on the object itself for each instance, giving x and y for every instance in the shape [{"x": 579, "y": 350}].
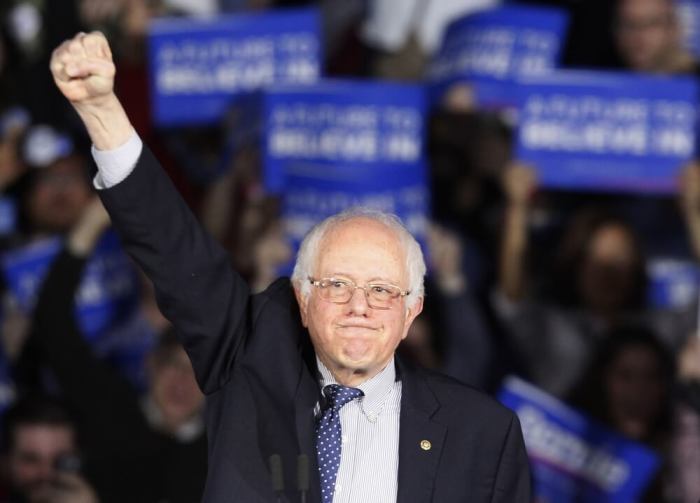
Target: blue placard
[
  {"x": 673, "y": 283},
  {"x": 573, "y": 458},
  {"x": 607, "y": 131},
  {"x": 198, "y": 65},
  {"x": 314, "y": 192},
  {"x": 108, "y": 291},
  {"x": 491, "y": 48},
  {"x": 345, "y": 124}
]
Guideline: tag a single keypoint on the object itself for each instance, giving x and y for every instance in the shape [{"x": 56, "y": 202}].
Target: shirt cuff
[{"x": 115, "y": 165}]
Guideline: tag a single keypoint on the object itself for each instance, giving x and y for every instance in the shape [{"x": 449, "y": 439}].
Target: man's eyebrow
[{"x": 376, "y": 279}]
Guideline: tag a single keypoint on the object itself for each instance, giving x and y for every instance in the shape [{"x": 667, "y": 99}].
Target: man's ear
[
  {"x": 303, "y": 302},
  {"x": 411, "y": 315}
]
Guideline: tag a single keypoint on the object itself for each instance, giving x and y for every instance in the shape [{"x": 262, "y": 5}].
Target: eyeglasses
[{"x": 340, "y": 291}]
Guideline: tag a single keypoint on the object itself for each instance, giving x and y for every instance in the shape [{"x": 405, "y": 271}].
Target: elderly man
[{"x": 306, "y": 367}]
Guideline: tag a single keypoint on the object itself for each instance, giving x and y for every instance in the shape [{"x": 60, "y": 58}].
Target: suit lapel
[
  {"x": 421, "y": 438},
  {"x": 306, "y": 397}
]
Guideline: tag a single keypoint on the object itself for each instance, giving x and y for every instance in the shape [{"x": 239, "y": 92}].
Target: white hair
[{"x": 308, "y": 251}]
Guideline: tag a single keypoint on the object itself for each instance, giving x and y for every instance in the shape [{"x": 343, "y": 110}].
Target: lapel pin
[{"x": 425, "y": 445}]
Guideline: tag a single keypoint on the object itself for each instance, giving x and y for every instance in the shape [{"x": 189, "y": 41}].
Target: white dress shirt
[{"x": 369, "y": 456}]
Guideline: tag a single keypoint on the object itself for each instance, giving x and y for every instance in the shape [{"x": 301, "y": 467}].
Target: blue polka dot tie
[{"x": 328, "y": 438}]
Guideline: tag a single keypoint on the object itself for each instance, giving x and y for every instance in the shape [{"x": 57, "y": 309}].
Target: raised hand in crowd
[
  {"x": 466, "y": 337},
  {"x": 92, "y": 223},
  {"x": 446, "y": 259},
  {"x": 519, "y": 182},
  {"x": 81, "y": 241}
]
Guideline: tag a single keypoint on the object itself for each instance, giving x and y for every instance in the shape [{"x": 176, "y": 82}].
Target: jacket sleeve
[
  {"x": 196, "y": 288},
  {"x": 513, "y": 483}
]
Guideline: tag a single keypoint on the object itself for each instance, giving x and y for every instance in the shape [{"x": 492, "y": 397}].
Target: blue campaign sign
[
  {"x": 607, "y": 131},
  {"x": 314, "y": 192},
  {"x": 673, "y": 283},
  {"x": 348, "y": 125},
  {"x": 492, "y": 47},
  {"x": 108, "y": 290},
  {"x": 198, "y": 65},
  {"x": 573, "y": 458}
]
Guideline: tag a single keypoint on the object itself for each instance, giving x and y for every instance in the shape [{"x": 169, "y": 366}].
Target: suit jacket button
[{"x": 425, "y": 445}]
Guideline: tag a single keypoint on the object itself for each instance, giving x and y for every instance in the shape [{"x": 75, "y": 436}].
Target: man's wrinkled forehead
[{"x": 350, "y": 235}]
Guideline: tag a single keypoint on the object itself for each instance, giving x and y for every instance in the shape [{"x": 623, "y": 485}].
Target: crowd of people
[{"x": 548, "y": 285}]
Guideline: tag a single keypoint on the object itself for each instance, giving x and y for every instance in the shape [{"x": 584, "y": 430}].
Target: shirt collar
[{"x": 376, "y": 389}]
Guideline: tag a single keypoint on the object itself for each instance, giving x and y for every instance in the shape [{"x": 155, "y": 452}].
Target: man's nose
[{"x": 358, "y": 302}]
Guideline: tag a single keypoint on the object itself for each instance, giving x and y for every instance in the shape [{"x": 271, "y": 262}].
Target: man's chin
[{"x": 356, "y": 358}]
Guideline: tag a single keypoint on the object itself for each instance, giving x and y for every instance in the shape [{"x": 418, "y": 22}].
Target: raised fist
[{"x": 83, "y": 70}]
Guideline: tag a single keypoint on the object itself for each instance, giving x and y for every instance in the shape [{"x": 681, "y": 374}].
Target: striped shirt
[{"x": 369, "y": 460}]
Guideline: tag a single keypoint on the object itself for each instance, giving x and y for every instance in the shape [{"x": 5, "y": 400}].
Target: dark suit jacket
[{"x": 254, "y": 361}]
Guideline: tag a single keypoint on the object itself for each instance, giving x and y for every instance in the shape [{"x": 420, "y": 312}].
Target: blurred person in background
[
  {"x": 451, "y": 335},
  {"x": 685, "y": 445},
  {"x": 629, "y": 387},
  {"x": 51, "y": 186},
  {"x": 40, "y": 454},
  {"x": 648, "y": 38},
  {"x": 57, "y": 184},
  {"x": 246, "y": 221},
  {"x": 157, "y": 441},
  {"x": 599, "y": 281},
  {"x": 468, "y": 153}
]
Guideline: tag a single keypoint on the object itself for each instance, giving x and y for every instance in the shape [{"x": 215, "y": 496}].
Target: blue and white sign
[
  {"x": 491, "y": 48},
  {"x": 573, "y": 458},
  {"x": 314, "y": 192},
  {"x": 108, "y": 291},
  {"x": 344, "y": 124},
  {"x": 198, "y": 65},
  {"x": 336, "y": 144},
  {"x": 674, "y": 283},
  {"x": 607, "y": 131}
]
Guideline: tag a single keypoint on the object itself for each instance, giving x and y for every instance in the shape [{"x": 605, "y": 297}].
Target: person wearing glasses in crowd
[{"x": 307, "y": 367}]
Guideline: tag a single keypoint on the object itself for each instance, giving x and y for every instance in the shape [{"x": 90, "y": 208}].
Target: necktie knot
[{"x": 338, "y": 395}]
